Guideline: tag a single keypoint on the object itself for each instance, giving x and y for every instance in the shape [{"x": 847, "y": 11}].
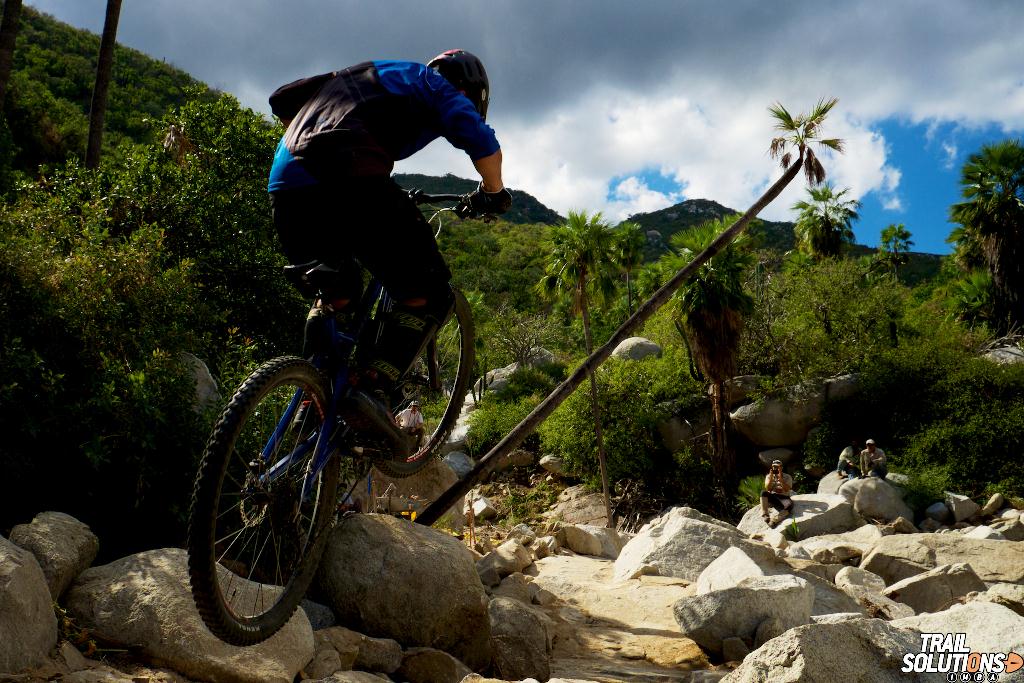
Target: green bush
[
  {"x": 494, "y": 419},
  {"x": 531, "y": 381}
]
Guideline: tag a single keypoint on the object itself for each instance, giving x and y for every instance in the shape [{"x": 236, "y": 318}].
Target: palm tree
[
  {"x": 992, "y": 184},
  {"x": 580, "y": 271},
  {"x": 8, "y": 36},
  {"x": 104, "y": 66},
  {"x": 629, "y": 253},
  {"x": 895, "y": 245},
  {"x": 823, "y": 226},
  {"x": 712, "y": 306}
]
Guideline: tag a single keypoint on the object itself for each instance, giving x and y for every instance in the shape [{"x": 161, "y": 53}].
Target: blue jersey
[{"x": 366, "y": 117}]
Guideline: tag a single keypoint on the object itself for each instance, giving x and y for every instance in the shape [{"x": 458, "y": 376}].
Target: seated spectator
[
  {"x": 411, "y": 422},
  {"x": 849, "y": 461},
  {"x": 872, "y": 461},
  {"x": 778, "y": 489}
]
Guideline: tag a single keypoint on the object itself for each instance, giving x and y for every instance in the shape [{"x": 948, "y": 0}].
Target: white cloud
[{"x": 949, "y": 148}]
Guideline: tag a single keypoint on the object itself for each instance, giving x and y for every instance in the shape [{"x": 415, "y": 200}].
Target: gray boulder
[
  {"x": 1005, "y": 355},
  {"x": 992, "y": 506},
  {"x": 936, "y": 589},
  {"x": 460, "y": 463},
  {"x": 985, "y": 531},
  {"x": 836, "y": 548},
  {"x": 989, "y": 627},
  {"x": 785, "y": 419},
  {"x": 554, "y": 464},
  {"x": 63, "y": 546},
  {"x": 508, "y": 558},
  {"x": 362, "y": 651},
  {"x": 28, "y": 627},
  {"x": 144, "y": 602},
  {"x": 520, "y": 641},
  {"x": 689, "y": 430},
  {"x": 875, "y": 498},
  {"x": 1009, "y": 595},
  {"x": 427, "y": 665},
  {"x": 378, "y": 572},
  {"x": 814, "y": 515},
  {"x": 850, "y": 650},
  {"x": 636, "y": 348},
  {"x": 710, "y": 618},
  {"x": 597, "y": 541},
  {"x": 783, "y": 455},
  {"x": 849, "y": 578},
  {"x": 962, "y": 507},
  {"x": 897, "y": 557},
  {"x": 680, "y": 543},
  {"x": 577, "y": 505},
  {"x": 830, "y": 483},
  {"x": 207, "y": 393},
  {"x": 939, "y": 512}
]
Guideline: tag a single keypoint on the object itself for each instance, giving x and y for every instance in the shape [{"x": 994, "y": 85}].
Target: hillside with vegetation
[{"x": 111, "y": 276}]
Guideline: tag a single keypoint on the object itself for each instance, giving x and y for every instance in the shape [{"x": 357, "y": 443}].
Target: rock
[
  {"x": 1012, "y": 530},
  {"x": 518, "y": 458},
  {"x": 325, "y": 662},
  {"x": 63, "y": 546},
  {"x": 771, "y": 537},
  {"x": 854, "y": 578},
  {"x": 936, "y": 589},
  {"x": 28, "y": 627},
  {"x": 824, "y": 571},
  {"x": 508, "y": 558},
  {"x": 144, "y": 601},
  {"x": 554, "y": 464},
  {"x": 985, "y": 532},
  {"x": 897, "y": 557},
  {"x": 929, "y": 525},
  {"x": 597, "y": 541},
  {"x": 576, "y": 505},
  {"x": 989, "y": 627},
  {"x": 207, "y": 393},
  {"x": 939, "y": 512},
  {"x": 679, "y": 431},
  {"x": 419, "y": 489},
  {"x": 785, "y": 420},
  {"x": 738, "y": 389},
  {"x": 814, "y": 515},
  {"x": 837, "y": 548},
  {"x": 734, "y": 649},
  {"x": 636, "y": 348},
  {"x": 483, "y": 509},
  {"x": 362, "y": 651},
  {"x": 784, "y": 455},
  {"x": 1005, "y": 355},
  {"x": 351, "y": 677},
  {"x": 830, "y": 483},
  {"x": 880, "y": 606},
  {"x": 320, "y": 616},
  {"x": 460, "y": 463},
  {"x": 520, "y": 641},
  {"x": 426, "y": 573},
  {"x": 1010, "y": 514},
  {"x": 768, "y": 629},
  {"x": 522, "y": 533},
  {"x": 962, "y": 507},
  {"x": 993, "y": 505},
  {"x": 514, "y": 586},
  {"x": 857, "y": 650},
  {"x": 544, "y": 546},
  {"x": 427, "y": 665},
  {"x": 875, "y": 498},
  {"x": 680, "y": 543},
  {"x": 738, "y": 611},
  {"x": 901, "y": 525},
  {"x": 836, "y": 618},
  {"x": 1009, "y": 595},
  {"x": 459, "y": 434}
]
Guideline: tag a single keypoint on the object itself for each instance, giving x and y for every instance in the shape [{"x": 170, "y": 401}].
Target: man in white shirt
[
  {"x": 872, "y": 461},
  {"x": 411, "y": 421}
]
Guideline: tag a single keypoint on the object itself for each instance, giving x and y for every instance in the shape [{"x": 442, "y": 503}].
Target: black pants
[{"x": 777, "y": 500}]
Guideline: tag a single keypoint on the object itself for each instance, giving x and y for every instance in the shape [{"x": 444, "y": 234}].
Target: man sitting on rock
[
  {"x": 778, "y": 489},
  {"x": 872, "y": 461},
  {"x": 848, "y": 461}
]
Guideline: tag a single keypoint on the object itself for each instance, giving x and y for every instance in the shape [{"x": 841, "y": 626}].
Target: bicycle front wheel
[
  {"x": 254, "y": 538},
  {"x": 438, "y": 381}
]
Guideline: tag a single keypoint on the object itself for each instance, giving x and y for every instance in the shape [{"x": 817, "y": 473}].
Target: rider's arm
[{"x": 489, "y": 168}]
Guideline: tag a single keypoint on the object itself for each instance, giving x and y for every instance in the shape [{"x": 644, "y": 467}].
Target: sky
[{"x": 624, "y": 107}]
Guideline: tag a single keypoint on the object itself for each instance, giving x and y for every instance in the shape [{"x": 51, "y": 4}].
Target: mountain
[{"x": 525, "y": 207}]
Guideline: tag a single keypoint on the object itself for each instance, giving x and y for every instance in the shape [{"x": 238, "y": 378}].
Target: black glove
[{"x": 479, "y": 203}]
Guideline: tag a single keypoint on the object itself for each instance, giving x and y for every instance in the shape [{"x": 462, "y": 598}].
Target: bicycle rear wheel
[
  {"x": 439, "y": 380},
  {"x": 254, "y": 541}
]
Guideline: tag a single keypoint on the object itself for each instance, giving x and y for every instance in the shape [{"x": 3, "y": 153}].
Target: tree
[
  {"x": 8, "y": 36},
  {"x": 823, "y": 226},
  {"x": 629, "y": 253},
  {"x": 579, "y": 271},
  {"x": 992, "y": 216},
  {"x": 712, "y": 306},
  {"x": 892, "y": 252},
  {"x": 104, "y": 66}
]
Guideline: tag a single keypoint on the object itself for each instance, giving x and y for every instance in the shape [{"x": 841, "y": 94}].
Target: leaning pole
[{"x": 490, "y": 462}]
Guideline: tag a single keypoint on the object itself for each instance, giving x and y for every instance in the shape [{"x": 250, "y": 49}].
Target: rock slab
[
  {"x": 63, "y": 546},
  {"x": 28, "y": 627}
]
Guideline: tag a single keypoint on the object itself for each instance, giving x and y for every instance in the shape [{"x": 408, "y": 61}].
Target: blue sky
[{"x": 629, "y": 107}]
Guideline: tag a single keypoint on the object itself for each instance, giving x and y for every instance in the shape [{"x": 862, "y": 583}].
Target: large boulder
[
  {"x": 636, "y": 348},
  {"x": 577, "y": 505},
  {"x": 898, "y": 557},
  {"x": 388, "y": 578},
  {"x": 63, "y": 546},
  {"x": 710, "y": 618},
  {"x": 587, "y": 539},
  {"x": 875, "y": 498},
  {"x": 814, "y": 515},
  {"x": 520, "y": 640},
  {"x": 144, "y": 602},
  {"x": 28, "y": 627},
  {"x": 427, "y": 665},
  {"x": 831, "y": 482},
  {"x": 207, "y": 394},
  {"x": 989, "y": 627},
  {"x": 690, "y": 430},
  {"x": 508, "y": 558},
  {"x": 836, "y": 548},
  {"x": 460, "y": 463},
  {"x": 937, "y": 588},
  {"x": 785, "y": 420},
  {"x": 416, "y": 491},
  {"x": 1005, "y": 355},
  {"x": 855, "y": 578},
  {"x": 680, "y": 543},
  {"x": 962, "y": 507},
  {"x": 849, "y": 650},
  {"x": 1006, "y": 594}
]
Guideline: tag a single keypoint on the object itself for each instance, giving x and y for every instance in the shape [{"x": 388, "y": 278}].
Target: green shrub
[
  {"x": 494, "y": 419},
  {"x": 748, "y": 494},
  {"x": 926, "y": 486}
]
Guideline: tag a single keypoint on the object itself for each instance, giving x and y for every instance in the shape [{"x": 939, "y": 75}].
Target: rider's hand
[{"x": 479, "y": 203}]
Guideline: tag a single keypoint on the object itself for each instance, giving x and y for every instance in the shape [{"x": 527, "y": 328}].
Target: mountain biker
[{"x": 334, "y": 200}]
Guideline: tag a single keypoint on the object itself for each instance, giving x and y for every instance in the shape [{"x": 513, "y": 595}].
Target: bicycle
[{"x": 270, "y": 473}]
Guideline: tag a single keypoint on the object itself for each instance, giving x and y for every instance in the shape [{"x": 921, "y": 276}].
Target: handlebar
[{"x": 421, "y": 197}]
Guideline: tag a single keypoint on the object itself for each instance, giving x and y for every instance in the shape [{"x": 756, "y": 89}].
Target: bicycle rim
[
  {"x": 439, "y": 380},
  {"x": 254, "y": 540}
]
